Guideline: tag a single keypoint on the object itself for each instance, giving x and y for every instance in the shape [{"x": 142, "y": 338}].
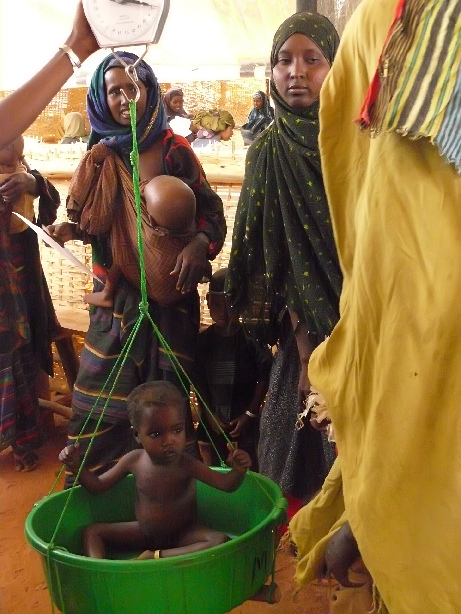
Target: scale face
[{"x": 117, "y": 23}]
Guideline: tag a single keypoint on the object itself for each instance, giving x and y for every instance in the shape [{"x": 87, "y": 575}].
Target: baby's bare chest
[
  {"x": 163, "y": 489},
  {"x": 165, "y": 505}
]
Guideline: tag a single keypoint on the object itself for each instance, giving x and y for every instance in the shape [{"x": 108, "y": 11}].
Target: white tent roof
[{"x": 202, "y": 39}]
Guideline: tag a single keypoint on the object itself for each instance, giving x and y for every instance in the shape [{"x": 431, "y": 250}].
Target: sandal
[{"x": 26, "y": 462}]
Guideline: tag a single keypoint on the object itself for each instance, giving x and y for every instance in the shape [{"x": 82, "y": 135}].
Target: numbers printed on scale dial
[{"x": 126, "y": 22}]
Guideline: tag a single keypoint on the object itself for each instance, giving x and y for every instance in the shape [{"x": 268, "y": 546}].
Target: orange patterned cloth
[{"x": 101, "y": 200}]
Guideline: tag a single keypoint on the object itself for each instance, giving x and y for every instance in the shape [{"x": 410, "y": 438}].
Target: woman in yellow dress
[{"x": 390, "y": 371}]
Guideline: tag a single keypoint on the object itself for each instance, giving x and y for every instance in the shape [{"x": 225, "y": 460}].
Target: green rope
[
  {"x": 120, "y": 359},
  {"x": 181, "y": 373},
  {"x": 134, "y": 158}
]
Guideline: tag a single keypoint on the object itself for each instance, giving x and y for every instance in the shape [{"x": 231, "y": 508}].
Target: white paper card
[
  {"x": 62, "y": 250},
  {"x": 181, "y": 126}
]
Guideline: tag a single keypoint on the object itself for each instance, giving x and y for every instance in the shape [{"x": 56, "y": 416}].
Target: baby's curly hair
[{"x": 157, "y": 393}]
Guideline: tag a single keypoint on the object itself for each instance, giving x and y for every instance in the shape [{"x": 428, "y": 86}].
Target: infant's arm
[
  {"x": 70, "y": 456},
  {"x": 341, "y": 551},
  {"x": 228, "y": 481}
]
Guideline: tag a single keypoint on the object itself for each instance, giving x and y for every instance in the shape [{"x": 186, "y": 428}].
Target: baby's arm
[
  {"x": 228, "y": 481},
  {"x": 70, "y": 456}
]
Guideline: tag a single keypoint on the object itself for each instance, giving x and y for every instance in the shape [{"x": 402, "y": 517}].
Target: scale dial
[{"x": 118, "y": 23}]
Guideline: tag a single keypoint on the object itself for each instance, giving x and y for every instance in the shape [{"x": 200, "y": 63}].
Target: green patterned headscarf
[{"x": 283, "y": 249}]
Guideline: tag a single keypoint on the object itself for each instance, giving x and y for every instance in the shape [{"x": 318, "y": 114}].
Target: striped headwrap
[
  {"x": 416, "y": 89},
  {"x": 104, "y": 128}
]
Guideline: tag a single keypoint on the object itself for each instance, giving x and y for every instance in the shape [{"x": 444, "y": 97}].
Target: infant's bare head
[{"x": 170, "y": 203}]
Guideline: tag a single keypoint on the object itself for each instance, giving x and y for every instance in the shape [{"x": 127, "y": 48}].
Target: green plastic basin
[{"x": 209, "y": 582}]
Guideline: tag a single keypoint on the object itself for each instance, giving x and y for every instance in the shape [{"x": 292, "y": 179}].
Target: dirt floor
[{"x": 22, "y": 584}]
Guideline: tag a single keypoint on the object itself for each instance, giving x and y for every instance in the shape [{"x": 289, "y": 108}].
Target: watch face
[{"x": 123, "y": 21}]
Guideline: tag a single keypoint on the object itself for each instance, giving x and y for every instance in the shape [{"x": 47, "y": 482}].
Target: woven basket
[{"x": 66, "y": 283}]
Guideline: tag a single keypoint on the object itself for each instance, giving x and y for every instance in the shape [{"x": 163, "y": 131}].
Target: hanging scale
[{"x": 126, "y": 23}]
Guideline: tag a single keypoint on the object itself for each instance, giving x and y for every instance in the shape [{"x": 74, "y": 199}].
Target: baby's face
[
  {"x": 162, "y": 433},
  {"x": 11, "y": 154},
  {"x": 6, "y": 155}
]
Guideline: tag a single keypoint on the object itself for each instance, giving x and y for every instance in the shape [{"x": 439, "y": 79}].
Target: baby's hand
[
  {"x": 61, "y": 232},
  {"x": 240, "y": 460},
  {"x": 70, "y": 456}
]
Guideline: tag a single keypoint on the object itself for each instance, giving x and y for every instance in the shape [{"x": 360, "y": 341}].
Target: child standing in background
[
  {"x": 233, "y": 379},
  {"x": 11, "y": 163},
  {"x": 27, "y": 319}
]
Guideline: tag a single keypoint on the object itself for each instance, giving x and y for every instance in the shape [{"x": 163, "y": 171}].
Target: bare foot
[
  {"x": 26, "y": 462},
  {"x": 99, "y": 299}
]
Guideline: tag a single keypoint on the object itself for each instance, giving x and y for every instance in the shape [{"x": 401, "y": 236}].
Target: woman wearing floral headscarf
[
  {"x": 283, "y": 251},
  {"x": 259, "y": 118},
  {"x": 100, "y": 203}
]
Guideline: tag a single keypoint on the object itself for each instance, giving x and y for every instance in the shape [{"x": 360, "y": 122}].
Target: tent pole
[{"x": 306, "y": 5}]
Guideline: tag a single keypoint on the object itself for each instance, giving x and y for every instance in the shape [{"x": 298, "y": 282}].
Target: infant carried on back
[{"x": 167, "y": 220}]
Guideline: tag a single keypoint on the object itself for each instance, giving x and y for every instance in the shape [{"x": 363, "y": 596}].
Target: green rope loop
[{"x": 144, "y": 309}]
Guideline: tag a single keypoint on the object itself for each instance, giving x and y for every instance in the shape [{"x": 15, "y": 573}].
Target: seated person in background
[
  {"x": 232, "y": 379},
  {"x": 259, "y": 118},
  {"x": 170, "y": 205},
  {"x": 212, "y": 126},
  {"x": 74, "y": 129},
  {"x": 173, "y": 103},
  {"x": 166, "y": 510},
  {"x": 12, "y": 162}
]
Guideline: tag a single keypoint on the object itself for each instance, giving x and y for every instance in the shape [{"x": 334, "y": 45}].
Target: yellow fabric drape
[
  {"x": 313, "y": 525},
  {"x": 391, "y": 370}
]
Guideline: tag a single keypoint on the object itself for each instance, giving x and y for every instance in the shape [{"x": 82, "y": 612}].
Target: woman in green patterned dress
[{"x": 283, "y": 250}]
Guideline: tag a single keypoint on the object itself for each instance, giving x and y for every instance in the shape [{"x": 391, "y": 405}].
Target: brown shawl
[{"x": 101, "y": 200}]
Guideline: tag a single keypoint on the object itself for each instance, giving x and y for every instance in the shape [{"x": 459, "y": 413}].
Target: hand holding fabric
[
  {"x": 61, "y": 232},
  {"x": 16, "y": 185}
]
